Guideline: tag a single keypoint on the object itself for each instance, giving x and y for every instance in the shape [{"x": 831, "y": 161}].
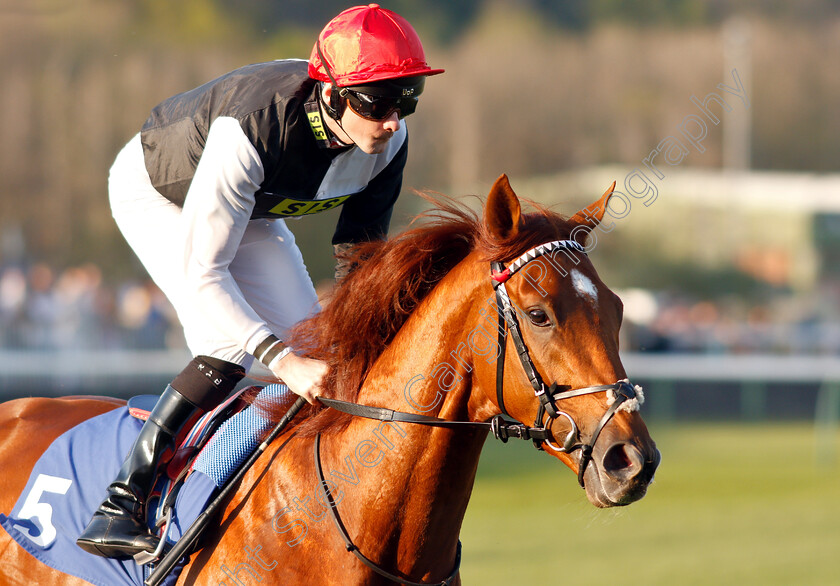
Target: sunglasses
[{"x": 378, "y": 107}]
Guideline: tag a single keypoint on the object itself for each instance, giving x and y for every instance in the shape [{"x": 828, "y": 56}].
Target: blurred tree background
[{"x": 533, "y": 87}]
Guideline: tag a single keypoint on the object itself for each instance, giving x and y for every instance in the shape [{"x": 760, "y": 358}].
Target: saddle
[{"x": 172, "y": 477}]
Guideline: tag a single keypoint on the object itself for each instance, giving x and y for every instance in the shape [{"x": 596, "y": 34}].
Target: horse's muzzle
[{"x": 620, "y": 473}]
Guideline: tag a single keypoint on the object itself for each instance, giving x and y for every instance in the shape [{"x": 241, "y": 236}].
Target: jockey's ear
[
  {"x": 502, "y": 213},
  {"x": 590, "y": 216}
]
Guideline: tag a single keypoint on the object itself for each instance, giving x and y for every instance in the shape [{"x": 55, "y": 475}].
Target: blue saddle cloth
[{"x": 66, "y": 486}]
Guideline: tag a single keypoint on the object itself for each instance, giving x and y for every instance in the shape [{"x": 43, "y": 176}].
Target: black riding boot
[{"x": 118, "y": 528}]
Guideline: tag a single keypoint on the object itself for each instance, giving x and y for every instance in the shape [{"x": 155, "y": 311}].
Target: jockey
[{"x": 201, "y": 194}]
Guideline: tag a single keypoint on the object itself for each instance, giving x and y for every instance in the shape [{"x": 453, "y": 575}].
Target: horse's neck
[
  {"x": 426, "y": 368},
  {"x": 428, "y": 477}
]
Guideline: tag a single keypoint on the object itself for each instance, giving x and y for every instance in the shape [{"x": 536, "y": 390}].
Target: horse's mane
[{"x": 368, "y": 307}]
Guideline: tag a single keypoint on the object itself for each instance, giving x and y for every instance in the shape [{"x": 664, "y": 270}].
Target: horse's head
[{"x": 563, "y": 323}]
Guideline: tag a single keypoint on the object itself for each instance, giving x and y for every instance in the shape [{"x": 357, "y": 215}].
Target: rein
[
  {"x": 351, "y": 547},
  {"x": 501, "y": 428}
]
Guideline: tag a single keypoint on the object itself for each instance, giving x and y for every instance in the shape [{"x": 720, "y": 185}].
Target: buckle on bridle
[
  {"x": 499, "y": 428},
  {"x": 546, "y": 398},
  {"x": 504, "y": 430}
]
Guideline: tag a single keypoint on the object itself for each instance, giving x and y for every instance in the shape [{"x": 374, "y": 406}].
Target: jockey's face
[{"x": 371, "y": 136}]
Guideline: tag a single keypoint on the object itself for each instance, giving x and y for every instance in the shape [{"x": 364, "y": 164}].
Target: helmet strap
[
  {"x": 334, "y": 108},
  {"x": 328, "y": 110}
]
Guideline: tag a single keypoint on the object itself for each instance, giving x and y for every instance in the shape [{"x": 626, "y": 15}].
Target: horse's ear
[
  {"x": 590, "y": 216},
  {"x": 502, "y": 213}
]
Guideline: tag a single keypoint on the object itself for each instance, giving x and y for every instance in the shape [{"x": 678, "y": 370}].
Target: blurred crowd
[
  {"x": 42, "y": 308},
  {"x": 783, "y": 324},
  {"x": 73, "y": 309}
]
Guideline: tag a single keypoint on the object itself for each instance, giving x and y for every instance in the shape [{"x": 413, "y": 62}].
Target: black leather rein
[{"x": 351, "y": 547}]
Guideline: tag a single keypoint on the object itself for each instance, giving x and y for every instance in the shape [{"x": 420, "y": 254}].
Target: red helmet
[{"x": 365, "y": 44}]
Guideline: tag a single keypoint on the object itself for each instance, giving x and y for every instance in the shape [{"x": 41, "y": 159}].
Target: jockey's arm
[{"x": 218, "y": 208}]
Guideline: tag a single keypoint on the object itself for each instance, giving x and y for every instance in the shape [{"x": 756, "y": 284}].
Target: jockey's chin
[{"x": 370, "y": 136}]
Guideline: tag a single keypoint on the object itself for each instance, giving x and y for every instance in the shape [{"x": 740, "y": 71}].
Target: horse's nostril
[{"x": 623, "y": 461}]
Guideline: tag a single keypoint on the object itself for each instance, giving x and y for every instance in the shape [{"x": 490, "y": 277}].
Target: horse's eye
[{"x": 538, "y": 317}]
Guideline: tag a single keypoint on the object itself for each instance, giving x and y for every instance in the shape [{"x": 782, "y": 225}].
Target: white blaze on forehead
[{"x": 584, "y": 285}]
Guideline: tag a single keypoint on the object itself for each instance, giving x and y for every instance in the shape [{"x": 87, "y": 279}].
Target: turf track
[{"x": 731, "y": 504}]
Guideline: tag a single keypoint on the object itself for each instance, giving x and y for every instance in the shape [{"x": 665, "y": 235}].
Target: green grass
[{"x": 731, "y": 504}]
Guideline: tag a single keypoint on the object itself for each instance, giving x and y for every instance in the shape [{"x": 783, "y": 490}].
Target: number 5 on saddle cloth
[{"x": 66, "y": 484}]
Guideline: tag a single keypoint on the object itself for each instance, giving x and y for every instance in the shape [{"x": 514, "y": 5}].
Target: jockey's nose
[{"x": 392, "y": 122}]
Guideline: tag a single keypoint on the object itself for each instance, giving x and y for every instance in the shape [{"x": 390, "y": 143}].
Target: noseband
[{"x": 541, "y": 433}]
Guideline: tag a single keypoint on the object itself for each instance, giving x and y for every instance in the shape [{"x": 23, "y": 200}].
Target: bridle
[
  {"x": 541, "y": 433},
  {"x": 619, "y": 393}
]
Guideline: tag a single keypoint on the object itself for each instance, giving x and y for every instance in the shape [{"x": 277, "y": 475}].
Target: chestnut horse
[{"x": 414, "y": 328}]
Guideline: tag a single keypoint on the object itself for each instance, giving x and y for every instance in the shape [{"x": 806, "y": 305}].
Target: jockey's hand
[{"x": 303, "y": 376}]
